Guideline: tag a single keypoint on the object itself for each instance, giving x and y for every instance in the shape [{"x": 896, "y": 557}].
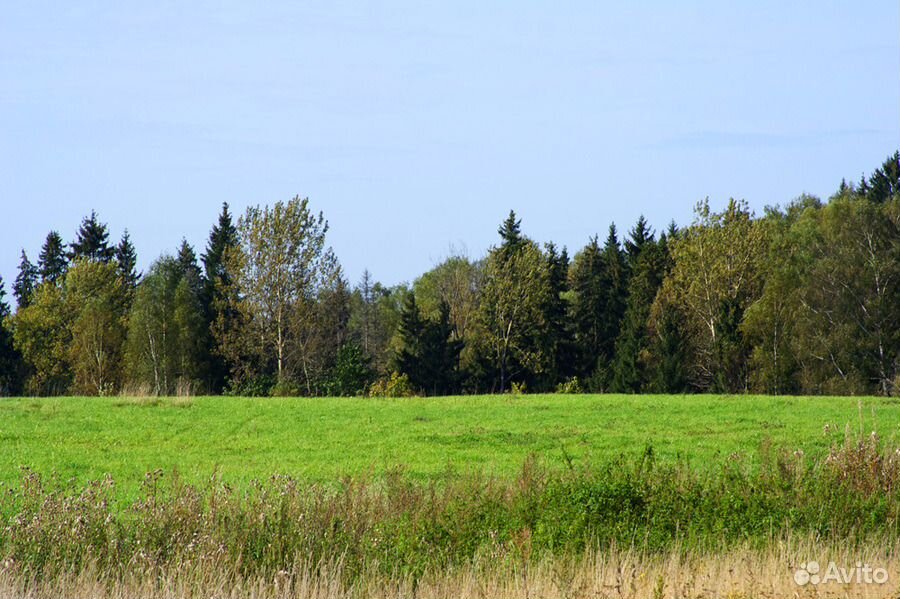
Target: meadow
[
  {"x": 323, "y": 439},
  {"x": 500, "y": 496}
]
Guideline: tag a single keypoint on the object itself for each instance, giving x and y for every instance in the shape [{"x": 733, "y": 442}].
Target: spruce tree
[
  {"x": 223, "y": 236},
  {"x": 559, "y": 340},
  {"x": 217, "y": 287},
  {"x": 672, "y": 231},
  {"x": 670, "y": 354},
  {"x": 92, "y": 241},
  {"x": 844, "y": 189},
  {"x": 187, "y": 262},
  {"x": 640, "y": 236},
  {"x": 194, "y": 315},
  {"x": 633, "y": 342},
  {"x": 599, "y": 285},
  {"x": 408, "y": 360},
  {"x": 52, "y": 262},
  {"x": 588, "y": 282},
  {"x": 616, "y": 292},
  {"x": 884, "y": 184},
  {"x": 429, "y": 355},
  {"x": 10, "y": 360},
  {"x": 126, "y": 256},
  {"x": 863, "y": 188},
  {"x": 441, "y": 353},
  {"x": 26, "y": 281},
  {"x": 511, "y": 234}
]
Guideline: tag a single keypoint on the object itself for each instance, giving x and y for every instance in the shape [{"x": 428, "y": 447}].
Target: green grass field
[{"x": 245, "y": 439}]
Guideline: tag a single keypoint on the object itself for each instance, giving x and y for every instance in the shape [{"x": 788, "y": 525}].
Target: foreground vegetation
[
  {"x": 628, "y": 518},
  {"x": 324, "y": 439}
]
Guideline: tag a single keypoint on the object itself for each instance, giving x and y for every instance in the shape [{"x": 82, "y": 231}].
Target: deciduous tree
[
  {"x": 166, "y": 331},
  {"x": 42, "y": 335},
  {"x": 716, "y": 275},
  {"x": 281, "y": 266},
  {"x": 95, "y": 301},
  {"x": 514, "y": 295}
]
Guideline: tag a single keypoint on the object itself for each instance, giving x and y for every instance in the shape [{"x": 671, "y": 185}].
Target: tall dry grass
[{"x": 738, "y": 573}]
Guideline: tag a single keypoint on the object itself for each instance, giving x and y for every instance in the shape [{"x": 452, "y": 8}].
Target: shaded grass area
[{"x": 322, "y": 439}]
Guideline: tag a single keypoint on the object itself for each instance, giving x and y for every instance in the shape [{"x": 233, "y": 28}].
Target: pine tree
[
  {"x": 92, "y": 241},
  {"x": 126, "y": 256},
  {"x": 26, "y": 281},
  {"x": 52, "y": 263}
]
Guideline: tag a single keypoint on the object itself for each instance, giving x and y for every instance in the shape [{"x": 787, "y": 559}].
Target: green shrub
[
  {"x": 256, "y": 386},
  {"x": 518, "y": 388},
  {"x": 570, "y": 387},
  {"x": 397, "y": 385},
  {"x": 350, "y": 373},
  {"x": 285, "y": 388}
]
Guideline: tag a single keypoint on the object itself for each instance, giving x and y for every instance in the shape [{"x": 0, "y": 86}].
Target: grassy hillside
[{"x": 322, "y": 439}]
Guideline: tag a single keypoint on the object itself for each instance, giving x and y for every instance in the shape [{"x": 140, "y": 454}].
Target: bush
[
  {"x": 350, "y": 374},
  {"x": 285, "y": 388},
  {"x": 397, "y": 385},
  {"x": 570, "y": 387},
  {"x": 255, "y": 386}
]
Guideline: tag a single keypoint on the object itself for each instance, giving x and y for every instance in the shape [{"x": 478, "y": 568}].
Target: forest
[{"x": 802, "y": 299}]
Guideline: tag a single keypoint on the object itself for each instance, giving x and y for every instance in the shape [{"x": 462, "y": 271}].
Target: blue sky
[{"x": 416, "y": 126}]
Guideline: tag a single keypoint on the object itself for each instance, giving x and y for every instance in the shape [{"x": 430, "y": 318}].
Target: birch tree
[
  {"x": 715, "y": 277},
  {"x": 282, "y": 264},
  {"x": 516, "y": 290}
]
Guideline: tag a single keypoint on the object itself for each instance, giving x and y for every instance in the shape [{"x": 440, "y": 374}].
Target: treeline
[{"x": 801, "y": 299}]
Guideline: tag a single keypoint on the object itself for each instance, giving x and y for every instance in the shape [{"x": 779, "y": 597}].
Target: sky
[{"x": 415, "y": 127}]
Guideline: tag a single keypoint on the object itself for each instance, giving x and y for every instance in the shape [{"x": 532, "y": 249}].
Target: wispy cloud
[{"x": 753, "y": 139}]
